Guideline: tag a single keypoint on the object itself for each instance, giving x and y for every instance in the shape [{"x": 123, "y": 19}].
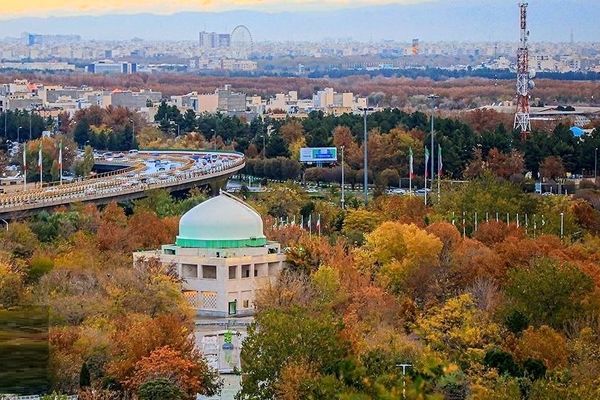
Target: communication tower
[{"x": 524, "y": 77}]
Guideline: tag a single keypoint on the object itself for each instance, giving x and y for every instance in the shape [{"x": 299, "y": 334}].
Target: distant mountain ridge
[{"x": 461, "y": 20}]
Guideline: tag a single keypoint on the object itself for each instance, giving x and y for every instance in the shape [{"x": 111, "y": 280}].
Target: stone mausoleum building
[{"x": 223, "y": 257}]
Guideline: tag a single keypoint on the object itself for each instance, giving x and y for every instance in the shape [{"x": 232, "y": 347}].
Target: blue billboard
[{"x": 318, "y": 154}]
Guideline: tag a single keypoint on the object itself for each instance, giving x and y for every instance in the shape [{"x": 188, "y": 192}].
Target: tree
[
  {"x": 292, "y": 131},
  {"x": 459, "y": 328},
  {"x": 159, "y": 389},
  {"x": 191, "y": 376},
  {"x": 276, "y": 146},
  {"x": 189, "y": 121},
  {"x": 276, "y": 340},
  {"x": 552, "y": 168},
  {"x": 84, "y": 377},
  {"x": 396, "y": 253},
  {"x": 545, "y": 344},
  {"x": 84, "y": 166},
  {"x": 390, "y": 177},
  {"x": 548, "y": 292},
  {"x": 81, "y": 134}
]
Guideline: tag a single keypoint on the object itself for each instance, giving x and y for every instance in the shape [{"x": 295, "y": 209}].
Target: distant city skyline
[{"x": 362, "y": 20}]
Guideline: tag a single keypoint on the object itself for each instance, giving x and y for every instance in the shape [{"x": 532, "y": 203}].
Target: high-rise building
[
  {"x": 213, "y": 40},
  {"x": 111, "y": 67}
]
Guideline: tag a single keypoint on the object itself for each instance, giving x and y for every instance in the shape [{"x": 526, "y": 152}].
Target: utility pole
[
  {"x": 343, "y": 182},
  {"x": 404, "y": 366},
  {"x": 595, "y": 165},
  {"x": 366, "y": 158}
]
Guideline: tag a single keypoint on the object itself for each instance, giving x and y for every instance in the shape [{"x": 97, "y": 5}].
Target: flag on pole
[
  {"x": 426, "y": 162},
  {"x": 411, "y": 169},
  {"x": 440, "y": 162},
  {"x": 60, "y": 161},
  {"x": 40, "y": 165},
  {"x": 24, "y": 166},
  {"x": 60, "y": 154},
  {"x": 319, "y": 224}
]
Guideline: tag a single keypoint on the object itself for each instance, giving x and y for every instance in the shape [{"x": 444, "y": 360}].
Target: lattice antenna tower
[{"x": 524, "y": 77}]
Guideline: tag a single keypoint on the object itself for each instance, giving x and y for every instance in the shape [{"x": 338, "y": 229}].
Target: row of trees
[{"x": 498, "y": 314}]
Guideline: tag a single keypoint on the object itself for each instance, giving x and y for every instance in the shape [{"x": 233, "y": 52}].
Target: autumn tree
[
  {"x": 552, "y": 168},
  {"x": 191, "y": 375}
]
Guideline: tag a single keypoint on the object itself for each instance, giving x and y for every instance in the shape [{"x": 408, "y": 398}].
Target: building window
[
  {"x": 246, "y": 304},
  {"x": 189, "y": 271},
  {"x": 209, "y": 272},
  {"x": 245, "y": 271},
  {"x": 233, "y": 272},
  {"x": 170, "y": 252}
]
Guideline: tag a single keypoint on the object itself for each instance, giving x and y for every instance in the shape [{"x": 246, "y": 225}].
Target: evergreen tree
[
  {"x": 82, "y": 132},
  {"x": 85, "y": 381}
]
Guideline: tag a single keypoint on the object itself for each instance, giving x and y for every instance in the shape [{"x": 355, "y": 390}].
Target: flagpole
[
  {"x": 343, "y": 183},
  {"x": 24, "y": 166},
  {"x": 41, "y": 166},
  {"x": 426, "y": 165},
  {"x": 410, "y": 170},
  {"x": 440, "y": 166},
  {"x": 60, "y": 162}
]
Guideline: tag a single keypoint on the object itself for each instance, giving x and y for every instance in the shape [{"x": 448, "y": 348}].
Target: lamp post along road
[
  {"x": 595, "y": 164},
  {"x": 343, "y": 182}
]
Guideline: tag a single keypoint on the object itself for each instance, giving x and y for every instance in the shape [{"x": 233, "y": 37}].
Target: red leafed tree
[{"x": 189, "y": 375}]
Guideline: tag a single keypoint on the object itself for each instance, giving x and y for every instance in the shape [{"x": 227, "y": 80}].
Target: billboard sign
[{"x": 318, "y": 154}]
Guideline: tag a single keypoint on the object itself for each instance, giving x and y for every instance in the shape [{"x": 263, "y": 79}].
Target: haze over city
[{"x": 462, "y": 20}]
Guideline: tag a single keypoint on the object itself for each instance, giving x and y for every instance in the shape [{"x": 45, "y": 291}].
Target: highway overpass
[{"x": 140, "y": 172}]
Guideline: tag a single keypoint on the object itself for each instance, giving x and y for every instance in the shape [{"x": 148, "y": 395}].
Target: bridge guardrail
[{"x": 109, "y": 188}]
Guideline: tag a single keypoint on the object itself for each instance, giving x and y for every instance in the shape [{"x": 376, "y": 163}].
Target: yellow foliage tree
[{"x": 459, "y": 328}]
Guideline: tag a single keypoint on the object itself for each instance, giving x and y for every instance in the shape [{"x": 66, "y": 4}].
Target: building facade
[{"x": 222, "y": 256}]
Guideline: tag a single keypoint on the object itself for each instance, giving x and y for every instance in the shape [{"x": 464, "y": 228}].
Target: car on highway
[{"x": 397, "y": 191}]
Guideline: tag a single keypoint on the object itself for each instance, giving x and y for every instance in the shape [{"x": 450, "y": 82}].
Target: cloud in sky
[{"x": 43, "y": 8}]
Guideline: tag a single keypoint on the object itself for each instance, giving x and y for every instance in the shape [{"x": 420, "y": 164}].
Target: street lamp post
[
  {"x": 30, "y": 115},
  {"x": 366, "y": 156},
  {"x": 343, "y": 182},
  {"x": 595, "y": 165}
]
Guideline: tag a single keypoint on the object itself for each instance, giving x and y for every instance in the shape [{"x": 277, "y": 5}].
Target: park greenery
[
  {"x": 500, "y": 313},
  {"x": 477, "y": 304}
]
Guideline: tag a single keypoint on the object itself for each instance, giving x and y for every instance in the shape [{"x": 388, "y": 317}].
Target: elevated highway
[{"x": 138, "y": 173}]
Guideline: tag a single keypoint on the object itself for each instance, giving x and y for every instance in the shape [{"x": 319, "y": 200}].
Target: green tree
[
  {"x": 81, "y": 134},
  {"x": 276, "y": 147},
  {"x": 84, "y": 166},
  {"x": 548, "y": 292},
  {"x": 159, "y": 389},
  {"x": 85, "y": 380},
  {"x": 277, "y": 339}
]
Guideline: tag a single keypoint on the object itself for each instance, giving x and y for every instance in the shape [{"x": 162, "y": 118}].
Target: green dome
[{"x": 221, "y": 222}]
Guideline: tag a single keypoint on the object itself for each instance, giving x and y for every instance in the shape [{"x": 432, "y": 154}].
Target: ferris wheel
[{"x": 241, "y": 42}]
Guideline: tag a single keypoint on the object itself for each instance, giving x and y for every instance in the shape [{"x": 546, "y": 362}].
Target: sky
[{"x": 45, "y": 8}]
